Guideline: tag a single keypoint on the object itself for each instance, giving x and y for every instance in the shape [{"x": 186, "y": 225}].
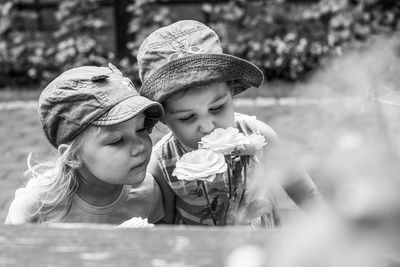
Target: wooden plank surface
[{"x": 94, "y": 245}]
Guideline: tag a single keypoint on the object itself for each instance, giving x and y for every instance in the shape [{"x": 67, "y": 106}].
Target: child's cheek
[{"x": 229, "y": 119}]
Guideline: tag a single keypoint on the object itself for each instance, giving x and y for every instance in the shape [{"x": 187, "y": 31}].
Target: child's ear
[
  {"x": 74, "y": 163},
  {"x": 77, "y": 162}
]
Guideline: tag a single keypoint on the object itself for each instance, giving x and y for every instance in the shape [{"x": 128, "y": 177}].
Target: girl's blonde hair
[{"x": 56, "y": 179}]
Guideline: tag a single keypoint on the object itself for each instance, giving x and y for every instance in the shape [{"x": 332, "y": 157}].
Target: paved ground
[{"x": 20, "y": 134}]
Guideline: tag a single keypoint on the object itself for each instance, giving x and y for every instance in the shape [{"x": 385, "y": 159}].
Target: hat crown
[
  {"x": 78, "y": 97},
  {"x": 186, "y": 54},
  {"x": 177, "y": 40}
]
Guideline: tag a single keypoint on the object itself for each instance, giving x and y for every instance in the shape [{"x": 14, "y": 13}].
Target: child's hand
[{"x": 136, "y": 222}]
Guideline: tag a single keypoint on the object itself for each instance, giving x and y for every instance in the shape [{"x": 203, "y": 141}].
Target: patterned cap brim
[{"x": 129, "y": 108}]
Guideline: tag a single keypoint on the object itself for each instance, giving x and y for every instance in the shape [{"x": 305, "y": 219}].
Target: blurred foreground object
[{"x": 358, "y": 160}]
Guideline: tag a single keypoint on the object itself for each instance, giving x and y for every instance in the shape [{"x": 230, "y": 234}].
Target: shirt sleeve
[
  {"x": 157, "y": 207},
  {"x": 24, "y": 207}
]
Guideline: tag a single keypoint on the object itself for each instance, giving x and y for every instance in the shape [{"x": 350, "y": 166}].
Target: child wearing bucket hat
[
  {"x": 183, "y": 67},
  {"x": 99, "y": 125}
]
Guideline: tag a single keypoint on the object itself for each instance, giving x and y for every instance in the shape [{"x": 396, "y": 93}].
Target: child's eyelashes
[
  {"x": 121, "y": 139},
  {"x": 186, "y": 119},
  {"x": 217, "y": 109},
  {"x": 116, "y": 142},
  {"x": 214, "y": 110}
]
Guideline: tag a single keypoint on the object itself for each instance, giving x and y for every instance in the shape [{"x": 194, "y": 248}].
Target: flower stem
[
  {"x": 208, "y": 202},
  {"x": 230, "y": 167},
  {"x": 244, "y": 162},
  {"x": 229, "y": 182},
  {"x": 244, "y": 178}
]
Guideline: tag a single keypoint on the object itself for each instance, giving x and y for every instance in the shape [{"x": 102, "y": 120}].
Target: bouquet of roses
[{"x": 223, "y": 150}]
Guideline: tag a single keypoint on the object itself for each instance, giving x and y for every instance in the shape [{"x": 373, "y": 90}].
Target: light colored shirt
[{"x": 143, "y": 200}]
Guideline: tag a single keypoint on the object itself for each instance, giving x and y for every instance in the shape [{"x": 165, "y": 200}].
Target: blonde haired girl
[{"x": 100, "y": 127}]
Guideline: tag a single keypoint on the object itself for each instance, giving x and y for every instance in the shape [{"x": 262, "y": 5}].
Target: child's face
[
  {"x": 117, "y": 154},
  {"x": 198, "y": 112}
]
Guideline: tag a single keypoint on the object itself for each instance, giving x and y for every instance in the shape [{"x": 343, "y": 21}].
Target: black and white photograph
[{"x": 191, "y": 133}]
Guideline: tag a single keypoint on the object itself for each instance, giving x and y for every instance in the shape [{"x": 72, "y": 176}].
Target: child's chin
[{"x": 139, "y": 178}]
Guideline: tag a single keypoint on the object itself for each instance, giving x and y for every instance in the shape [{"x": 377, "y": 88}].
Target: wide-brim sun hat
[
  {"x": 186, "y": 54},
  {"x": 90, "y": 95}
]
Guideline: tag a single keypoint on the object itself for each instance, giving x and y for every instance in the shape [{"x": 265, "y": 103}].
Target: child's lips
[{"x": 138, "y": 165}]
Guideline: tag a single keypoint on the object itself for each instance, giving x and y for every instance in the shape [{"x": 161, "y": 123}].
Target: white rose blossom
[
  {"x": 224, "y": 141},
  {"x": 255, "y": 143},
  {"x": 201, "y": 164},
  {"x": 230, "y": 140},
  {"x": 136, "y": 222}
]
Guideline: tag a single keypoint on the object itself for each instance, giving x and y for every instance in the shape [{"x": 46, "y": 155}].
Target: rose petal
[
  {"x": 256, "y": 143},
  {"x": 224, "y": 140},
  {"x": 201, "y": 164}
]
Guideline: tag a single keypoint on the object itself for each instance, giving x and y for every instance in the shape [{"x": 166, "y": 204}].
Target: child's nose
[
  {"x": 206, "y": 126},
  {"x": 137, "y": 148}
]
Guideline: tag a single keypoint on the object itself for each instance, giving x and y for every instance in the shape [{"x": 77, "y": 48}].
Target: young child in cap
[
  {"x": 182, "y": 66},
  {"x": 100, "y": 126}
]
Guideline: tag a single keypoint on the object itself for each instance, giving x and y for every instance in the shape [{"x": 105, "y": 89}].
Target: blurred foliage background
[{"x": 287, "y": 39}]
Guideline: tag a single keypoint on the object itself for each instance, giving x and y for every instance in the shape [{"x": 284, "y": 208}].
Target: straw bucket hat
[{"x": 188, "y": 53}]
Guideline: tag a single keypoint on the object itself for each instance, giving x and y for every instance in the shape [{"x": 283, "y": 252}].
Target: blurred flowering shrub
[
  {"x": 21, "y": 48},
  {"x": 30, "y": 56},
  {"x": 146, "y": 16},
  {"x": 366, "y": 17},
  {"x": 288, "y": 40},
  {"x": 76, "y": 41}
]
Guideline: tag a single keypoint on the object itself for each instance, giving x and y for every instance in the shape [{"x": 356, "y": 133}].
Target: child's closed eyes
[
  {"x": 115, "y": 142},
  {"x": 117, "y": 135},
  {"x": 213, "y": 110},
  {"x": 218, "y": 108}
]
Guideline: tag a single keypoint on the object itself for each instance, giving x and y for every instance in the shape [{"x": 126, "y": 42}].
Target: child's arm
[
  {"x": 167, "y": 194},
  {"x": 24, "y": 207},
  {"x": 298, "y": 184}
]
